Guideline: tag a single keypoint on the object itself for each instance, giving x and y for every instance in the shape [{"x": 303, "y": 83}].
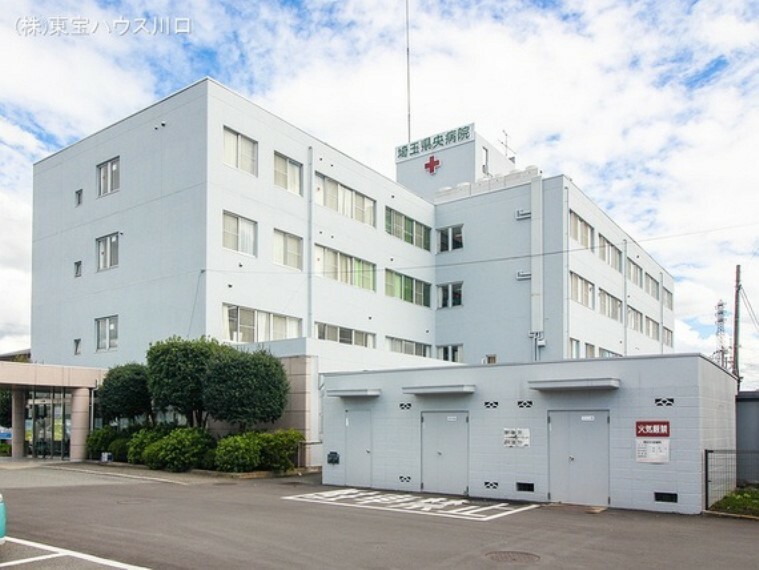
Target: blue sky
[{"x": 651, "y": 107}]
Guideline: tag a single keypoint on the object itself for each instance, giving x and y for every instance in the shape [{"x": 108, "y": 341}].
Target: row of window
[
  {"x": 344, "y": 268},
  {"x": 583, "y": 292},
  {"x": 407, "y": 229},
  {"x": 575, "y": 350},
  {"x": 407, "y": 288},
  {"x": 582, "y": 232}
]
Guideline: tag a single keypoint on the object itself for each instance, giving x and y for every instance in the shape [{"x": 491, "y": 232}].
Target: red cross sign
[{"x": 432, "y": 164}]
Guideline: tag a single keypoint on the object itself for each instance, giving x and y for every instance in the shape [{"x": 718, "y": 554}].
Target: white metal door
[
  {"x": 579, "y": 457},
  {"x": 358, "y": 448},
  {"x": 445, "y": 452}
]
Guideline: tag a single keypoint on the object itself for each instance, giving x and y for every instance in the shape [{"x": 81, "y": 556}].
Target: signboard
[
  {"x": 516, "y": 437},
  {"x": 652, "y": 441},
  {"x": 439, "y": 141}
]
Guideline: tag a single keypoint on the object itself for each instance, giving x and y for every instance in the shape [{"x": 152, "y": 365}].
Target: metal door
[
  {"x": 579, "y": 457},
  {"x": 358, "y": 448},
  {"x": 445, "y": 452}
]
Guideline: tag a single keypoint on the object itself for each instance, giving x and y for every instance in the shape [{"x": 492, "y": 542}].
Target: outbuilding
[{"x": 621, "y": 432}]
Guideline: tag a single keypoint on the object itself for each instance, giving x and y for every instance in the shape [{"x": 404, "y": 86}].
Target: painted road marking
[
  {"x": 400, "y": 502},
  {"x": 61, "y": 552}
]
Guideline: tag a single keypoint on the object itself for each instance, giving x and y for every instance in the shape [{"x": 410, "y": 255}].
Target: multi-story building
[{"x": 206, "y": 215}]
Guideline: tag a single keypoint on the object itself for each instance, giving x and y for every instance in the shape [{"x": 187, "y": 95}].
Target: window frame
[
  {"x": 450, "y": 238},
  {"x": 107, "y": 255},
  {"x": 291, "y": 167},
  {"x": 238, "y": 235},
  {"x": 447, "y": 295},
  {"x": 239, "y": 163},
  {"x": 288, "y": 240},
  {"x": 107, "y": 172},
  {"x": 260, "y": 324},
  {"x": 107, "y": 341},
  {"x": 344, "y": 200}
]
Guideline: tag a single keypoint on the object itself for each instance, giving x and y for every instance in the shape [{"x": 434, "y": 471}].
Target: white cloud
[{"x": 598, "y": 91}]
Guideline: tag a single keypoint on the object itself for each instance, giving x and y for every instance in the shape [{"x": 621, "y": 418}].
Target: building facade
[{"x": 206, "y": 215}]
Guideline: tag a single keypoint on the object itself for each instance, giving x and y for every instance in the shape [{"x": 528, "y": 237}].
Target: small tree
[
  {"x": 246, "y": 388},
  {"x": 125, "y": 393},
  {"x": 6, "y": 407},
  {"x": 177, "y": 370}
]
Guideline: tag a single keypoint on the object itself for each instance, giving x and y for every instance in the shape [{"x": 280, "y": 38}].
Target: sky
[{"x": 651, "y": 107}]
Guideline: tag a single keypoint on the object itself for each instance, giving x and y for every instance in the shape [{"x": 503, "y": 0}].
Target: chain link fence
[{"x": 725, "y": 470}]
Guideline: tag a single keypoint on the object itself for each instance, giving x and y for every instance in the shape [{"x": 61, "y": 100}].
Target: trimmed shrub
[
  {"x": 99, "y": 440},
  {"x": 118, "y": 447},
  {"x": 238, "y": 453},
  {"x": 5, "y": 449},
  {"x": 152, "y": 455},
  {"x": 209, "y": 460},
  {"x": 279, "y": 449},
  {"x": 139, "y": 442},
  {"x": 184, "y": 448}
]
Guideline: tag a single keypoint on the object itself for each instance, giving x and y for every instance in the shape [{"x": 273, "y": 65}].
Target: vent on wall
[
  {"x": 527, "y": 487},
  {"x": 405, "y": 405},
  {"x": 524, "y": 404},
  {"x": 491, "y": 484},
  {"x": 524, "y": 275},
  {"x": 491, "y": 405},
  {"x": 665, "y": 402},
  {"x": 522, "y": 214},
  {"x": 404, "y": 478},
  {"x": 665, "y": 497}
]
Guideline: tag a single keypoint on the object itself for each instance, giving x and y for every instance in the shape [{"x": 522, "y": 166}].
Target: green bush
[
  {"x": 185, "y": 448},
  {"x": 99, "y": 440},
  {"x": 209, "y": 460},
  {"x": 279, "y": 448},
  {"x": 118, "y": 447},
  {"x": 238, "y": 453},
  {"x": 139, "y": 442},
  {"x": 5, "y": 449},
  {"x": 152, "y": 455}
]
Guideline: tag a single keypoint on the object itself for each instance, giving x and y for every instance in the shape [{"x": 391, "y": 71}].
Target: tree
[
  {"x": 125, "y": 393},
  {"x": 177, "y": 371},
  {"x": 246, "y": 388},
  {"x": 6, "y": 415}
]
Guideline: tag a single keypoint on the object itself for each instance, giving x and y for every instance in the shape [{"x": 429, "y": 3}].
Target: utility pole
[{"x": 736, "y": 324}]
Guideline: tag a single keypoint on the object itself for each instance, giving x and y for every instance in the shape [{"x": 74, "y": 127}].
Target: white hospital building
[{"x": 204, "y": 214}]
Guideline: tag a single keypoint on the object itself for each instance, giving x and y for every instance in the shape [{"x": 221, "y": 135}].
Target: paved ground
[{"x": 193, "y": 521}]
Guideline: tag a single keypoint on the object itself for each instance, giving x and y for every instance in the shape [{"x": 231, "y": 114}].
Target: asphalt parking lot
[{"x": 111, "y": 517}]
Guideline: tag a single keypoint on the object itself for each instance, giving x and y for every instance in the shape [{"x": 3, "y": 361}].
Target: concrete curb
[
  {"x": 217, "y": 474},
  {"x": 731, "y": 515}
]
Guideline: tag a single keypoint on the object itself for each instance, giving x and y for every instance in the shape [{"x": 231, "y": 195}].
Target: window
[
  {"x": 341, "y": 267},
  {"x": 77, "y": 269},
  {"x": 604, "y": 353},
  {"x": 450, "y": 238},
  {"x": 590, "y": 350},
  {"x": 251, "y": 325},
  {"x": 345, "y": 335},
  {"x": 652, "y": 329},
  {"x": 581, "y": 290},
  {"x": 668, "y": 301},
  {"x": 407, "y": 288},
  {"x": 108, "y": 251},
  {"x": 77, "y": 346},
  {"x": 652, "y": 286},
  {"x": 240, "y": 151},
  {"x": 634, "y": 272},
  {"x": 288, "y": 174},
  {"x": 109, "y": 178},
  {"x": 288, "y": 250},
  {"x": 449, "y": 295},
  {"x": 634, "y": 320},
  {"x": 609, "y": 253},
  {"x": 404, "y": 346},
  {"x": 667, "y": 337},
  {"x": 490, "y": 358},
  {"x": 107, "y": 333},
  {"x": 344, "y": 200},
  {"x": 78, "y": 197},
  {"x": 610, "y": 305},
  {"x": 239, "y": 234},
  {"x": 580, "y": 230},
  {"x": 407, "y": 229},
  {"x": 451, "y": 353},
  {"x": 574, "y": 348},
  {"x": 485, "y": 161}
]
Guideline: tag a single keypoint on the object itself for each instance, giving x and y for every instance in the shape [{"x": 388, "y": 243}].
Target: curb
[
  {"x": 299, "y": 472},
  {"x": 731, "y": 515}
]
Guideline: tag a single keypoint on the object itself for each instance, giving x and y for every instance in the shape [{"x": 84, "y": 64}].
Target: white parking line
[
  {"x": 394, "y": 502},
  {"x": 60, "y": 552}
]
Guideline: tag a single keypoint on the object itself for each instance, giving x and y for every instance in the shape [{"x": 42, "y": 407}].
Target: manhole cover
[
  {"x": 512, "y": 557},
  {"x": 133, "y": 501}
]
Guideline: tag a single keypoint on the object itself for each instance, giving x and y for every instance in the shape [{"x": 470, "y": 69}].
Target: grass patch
[{"x": 741, "y": 502}]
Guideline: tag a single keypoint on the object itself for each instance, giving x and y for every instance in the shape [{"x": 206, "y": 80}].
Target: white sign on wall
[
  {"x": 652, "y": 441},
  {"x": 516, "y": 437}
]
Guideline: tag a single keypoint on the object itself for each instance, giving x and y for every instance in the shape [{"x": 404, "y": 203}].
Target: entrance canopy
[{"x": 50, "y": 407}]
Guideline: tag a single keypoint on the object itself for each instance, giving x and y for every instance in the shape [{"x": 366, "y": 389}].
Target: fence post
[{"x": 706, "y": 479}]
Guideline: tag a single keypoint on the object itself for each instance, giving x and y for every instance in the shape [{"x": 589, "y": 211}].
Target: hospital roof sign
[{"x": 439, "y": 141}]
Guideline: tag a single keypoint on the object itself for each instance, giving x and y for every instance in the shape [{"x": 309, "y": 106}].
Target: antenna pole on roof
[{"x": 408, "y": 72}]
